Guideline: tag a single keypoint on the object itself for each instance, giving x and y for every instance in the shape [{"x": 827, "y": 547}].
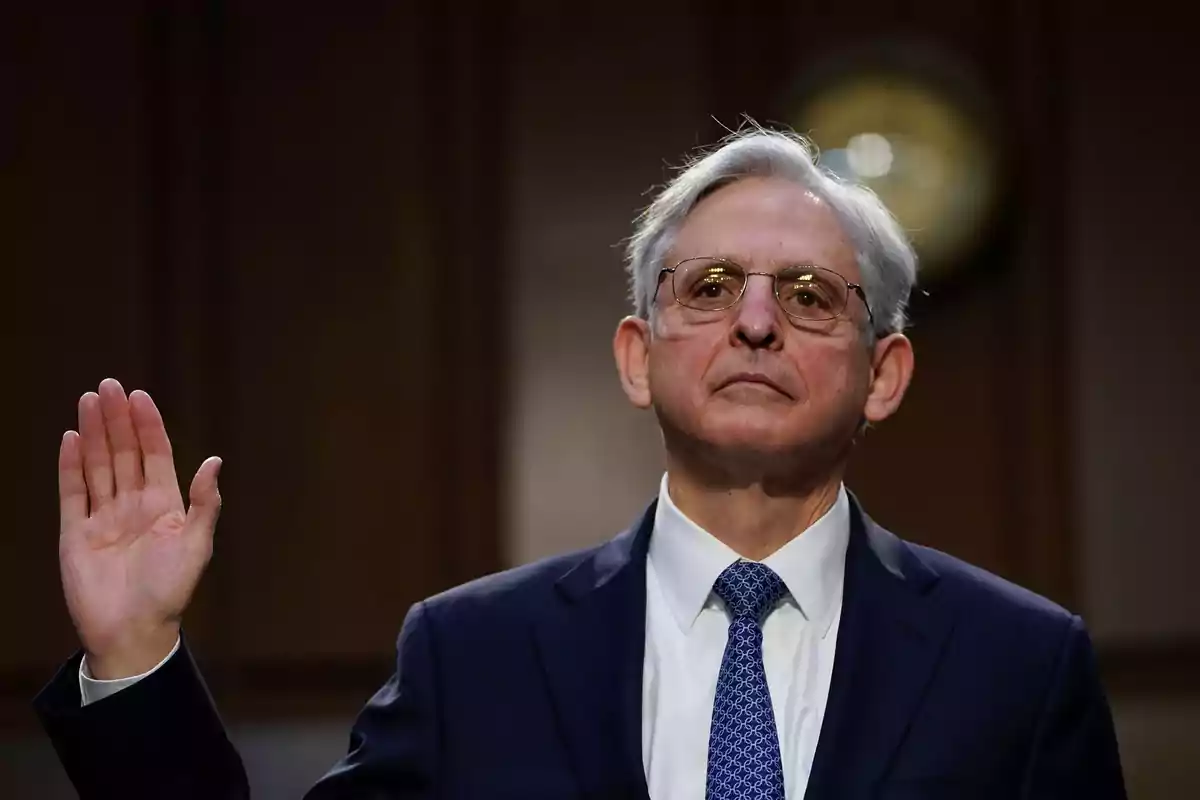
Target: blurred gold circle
[{"x": 923, "y": 152}]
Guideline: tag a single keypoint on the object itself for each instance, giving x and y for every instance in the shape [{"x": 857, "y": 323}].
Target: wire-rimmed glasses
[{"x": 804, "y": 291}]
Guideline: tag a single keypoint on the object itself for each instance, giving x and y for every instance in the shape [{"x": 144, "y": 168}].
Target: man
[{"x": 754, "y": 635}]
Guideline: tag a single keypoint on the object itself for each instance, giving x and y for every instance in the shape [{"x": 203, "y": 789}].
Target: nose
[{"x": 756, "y": 322}]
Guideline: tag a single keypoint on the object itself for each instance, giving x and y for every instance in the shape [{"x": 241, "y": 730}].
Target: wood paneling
[
  {"x": 75, "y": 270},
  {"x": 292, "y": 228},
  {"x": 285, "y": 225}
]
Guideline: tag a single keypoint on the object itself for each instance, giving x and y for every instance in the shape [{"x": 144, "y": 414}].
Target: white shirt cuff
[{"x": 92, "y": 690}]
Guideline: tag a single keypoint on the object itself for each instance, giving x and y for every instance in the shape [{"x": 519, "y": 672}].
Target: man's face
[{"x": 751, "y": 381}]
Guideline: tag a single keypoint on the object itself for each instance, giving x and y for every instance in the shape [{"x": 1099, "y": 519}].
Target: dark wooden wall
[
  {"x": 291, "y": 226},
  {"x": 284, "y": 225}
]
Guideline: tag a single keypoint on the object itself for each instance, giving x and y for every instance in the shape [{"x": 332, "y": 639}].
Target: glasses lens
[
  {"x": 811, "y": 293},
  {"x": 708, "y": 284}
]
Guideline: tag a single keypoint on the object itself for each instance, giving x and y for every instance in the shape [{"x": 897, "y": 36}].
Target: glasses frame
[{"x": 774, "y": 276}]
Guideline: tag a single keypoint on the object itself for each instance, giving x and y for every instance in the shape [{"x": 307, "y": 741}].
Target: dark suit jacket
[{"x": 947, "y": 683}]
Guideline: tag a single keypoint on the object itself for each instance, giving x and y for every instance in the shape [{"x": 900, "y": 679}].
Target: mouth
[{"x": 751, "y": 379}]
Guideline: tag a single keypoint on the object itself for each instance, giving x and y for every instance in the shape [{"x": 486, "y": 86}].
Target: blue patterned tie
[{"x": 743, "y": 745}]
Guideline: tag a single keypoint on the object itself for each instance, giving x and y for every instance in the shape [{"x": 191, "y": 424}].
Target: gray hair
[{"x": 885, "y": 256}]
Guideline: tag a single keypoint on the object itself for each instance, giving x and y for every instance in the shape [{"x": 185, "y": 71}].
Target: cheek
[
  {"x": 675, "y": 375},
  {"x": 678, "y": 365},
  {"x": 833, "y": 377}
]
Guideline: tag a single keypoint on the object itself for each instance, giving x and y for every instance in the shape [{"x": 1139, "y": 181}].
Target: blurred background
[{"x": 372, "y": 258}]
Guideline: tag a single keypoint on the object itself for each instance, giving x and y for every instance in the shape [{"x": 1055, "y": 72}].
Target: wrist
[{"x": 133, "y": 655}]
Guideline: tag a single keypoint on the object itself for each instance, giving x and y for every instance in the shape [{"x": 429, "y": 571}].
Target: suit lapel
[
  {"x": 890, "y": 639},
  {"x": 592, "y": 646}
]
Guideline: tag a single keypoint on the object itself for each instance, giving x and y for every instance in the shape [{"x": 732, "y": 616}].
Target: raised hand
[{"x": 130, "y": 554}]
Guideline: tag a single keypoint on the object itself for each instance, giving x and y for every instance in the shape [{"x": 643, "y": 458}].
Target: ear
[
  {"x": 631, "y": 349},
  {"x": 892, "y": 371}
]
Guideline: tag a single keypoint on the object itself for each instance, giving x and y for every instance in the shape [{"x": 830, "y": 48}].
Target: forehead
[{"x": 763, "y": 222}]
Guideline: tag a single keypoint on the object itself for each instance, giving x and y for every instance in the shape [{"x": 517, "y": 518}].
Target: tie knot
[{"x": 749, "y": 589}]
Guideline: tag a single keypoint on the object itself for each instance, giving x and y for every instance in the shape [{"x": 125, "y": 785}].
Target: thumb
[{"x": 204, "y": 499}]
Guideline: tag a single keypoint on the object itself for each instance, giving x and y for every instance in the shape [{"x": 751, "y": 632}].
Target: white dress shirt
[
  {"x": 91, "y": 690},
  {"x": 686, "y": 629}
]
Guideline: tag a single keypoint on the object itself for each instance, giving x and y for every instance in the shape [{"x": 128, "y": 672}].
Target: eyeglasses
[{"x": 804, "y": 292}]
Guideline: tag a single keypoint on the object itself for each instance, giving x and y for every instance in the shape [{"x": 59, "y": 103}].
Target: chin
[{"x": 749, "y": 430}]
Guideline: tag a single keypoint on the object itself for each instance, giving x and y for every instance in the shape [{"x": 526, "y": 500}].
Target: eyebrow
[{"x": 776, "y": 263}]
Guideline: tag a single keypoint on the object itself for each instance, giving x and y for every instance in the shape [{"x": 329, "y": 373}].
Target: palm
[
  {"x": 130, "y": 555},
  {"x": 127, "y": 561}
]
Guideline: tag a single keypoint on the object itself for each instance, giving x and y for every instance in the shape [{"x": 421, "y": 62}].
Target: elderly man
[{"x": 753, "y": 635}]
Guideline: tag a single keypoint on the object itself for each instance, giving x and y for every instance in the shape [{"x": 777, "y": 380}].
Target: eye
[
  {"x": 708, "y": 285},
  {"x": 713, "y": 285},
  {"x": 807, "y": 293},
  {"x": 810, "y": 295}
]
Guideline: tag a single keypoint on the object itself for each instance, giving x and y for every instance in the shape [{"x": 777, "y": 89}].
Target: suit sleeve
[
  {"x": 1075, "y": 747},
  {"x": 395, "y": 742},
  {"x": 159, "y": 738}
]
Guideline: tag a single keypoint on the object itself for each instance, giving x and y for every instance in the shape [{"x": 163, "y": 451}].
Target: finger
[
  {"x": 72, "y": 488},
  {"x": 204, "y": 498},
  {"x": 97, "y": 460},
  {"x": 126, "y": 454},
  {"x": 157, "y": 462}
]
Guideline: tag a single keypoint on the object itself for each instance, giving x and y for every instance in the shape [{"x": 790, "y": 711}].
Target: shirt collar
[{"x": 688, "y": 559}]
